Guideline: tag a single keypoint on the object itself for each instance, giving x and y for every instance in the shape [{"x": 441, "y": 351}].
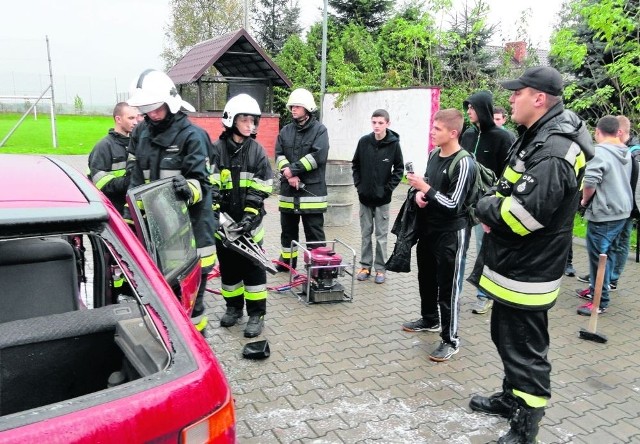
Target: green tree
[
  {"x": 598, "y": 45},
  {"x": 408, "y": 49},
  {"x": 368, "y": 13},
  {"x": 275, "y": 21},
  {"x": 193, "y": 21}
]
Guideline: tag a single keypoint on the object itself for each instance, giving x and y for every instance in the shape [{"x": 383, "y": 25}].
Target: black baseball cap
[{"x": 542, "y": 78}]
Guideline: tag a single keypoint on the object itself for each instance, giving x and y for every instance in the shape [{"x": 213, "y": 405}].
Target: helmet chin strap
[{"x": 302, "y": 120}]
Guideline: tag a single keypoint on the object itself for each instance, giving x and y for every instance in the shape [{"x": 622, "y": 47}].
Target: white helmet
[
  {"x": 240, "y": 104},
  {"x": 302, "y": 97},
  {"x": 151, "y": 89}
]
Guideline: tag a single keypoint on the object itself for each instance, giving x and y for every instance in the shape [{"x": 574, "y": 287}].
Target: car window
[{"x": 166, "y": 227}]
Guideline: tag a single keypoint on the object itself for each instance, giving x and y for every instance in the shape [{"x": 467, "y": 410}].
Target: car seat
[{"x": 38, "y": 277}]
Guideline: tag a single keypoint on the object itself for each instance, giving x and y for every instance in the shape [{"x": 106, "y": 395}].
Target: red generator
[{"x": 325, "y": 267}]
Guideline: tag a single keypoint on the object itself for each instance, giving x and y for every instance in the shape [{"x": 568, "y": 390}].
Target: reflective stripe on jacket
[{"x": 531, "y": 211}]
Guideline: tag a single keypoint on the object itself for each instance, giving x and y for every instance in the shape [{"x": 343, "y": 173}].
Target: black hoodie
[
  {"x": 489, "y": 143},
  {"x": 377, "y": 168}
]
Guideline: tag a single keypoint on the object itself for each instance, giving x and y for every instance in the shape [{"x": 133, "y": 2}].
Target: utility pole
[
  {"x": 323, "y": 64},
  {"x": 246, "y": 15}
]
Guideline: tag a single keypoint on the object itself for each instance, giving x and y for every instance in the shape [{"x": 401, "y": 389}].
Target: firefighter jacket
[
  {"x": 304, "y": 150},
  {"x": 107, "y": 167},
  {"x": 243, "y": 177},
  {"x": 531, "y": 211},
  {"x": 175, "y": 147}
]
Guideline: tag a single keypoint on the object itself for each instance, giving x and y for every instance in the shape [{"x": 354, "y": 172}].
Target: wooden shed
[{"x": 239, "y": 65}]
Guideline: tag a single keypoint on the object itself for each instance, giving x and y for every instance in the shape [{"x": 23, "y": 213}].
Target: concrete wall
[
  {"x": 267, "y": 130},
  {"x": 411, "y": 112}
]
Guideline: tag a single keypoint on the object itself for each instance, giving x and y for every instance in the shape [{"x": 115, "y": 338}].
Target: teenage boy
[
  {"x": 443, "y": 235},
  {"x": 377, "y": 170}
]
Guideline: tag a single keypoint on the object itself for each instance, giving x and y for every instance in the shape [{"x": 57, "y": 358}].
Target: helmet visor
[{"x": 144, "y": 109}]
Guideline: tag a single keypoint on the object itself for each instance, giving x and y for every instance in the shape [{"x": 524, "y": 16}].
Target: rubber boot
[
  {"x": 525, "y": 424},
  {"x": 231, "y": 316},
  {"x": 198, "y": 318},
  {"x": 288, "y": 263},
  {"x": 503, "y": 403}
]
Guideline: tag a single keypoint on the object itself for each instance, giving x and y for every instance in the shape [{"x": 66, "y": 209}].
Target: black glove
[
  {"x": 248, "y": 222},
  {"x": 181, "y": 186},
  {"x": 215, "y": 196}
]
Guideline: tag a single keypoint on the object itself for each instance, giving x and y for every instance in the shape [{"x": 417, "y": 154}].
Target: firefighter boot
[
  {"x": 501, "y": 403},
  {"x": 231, "y": 316},
  {"x": 286, "y": 264},
  {"x": 198, "y": 317},
  {"x": 524, "y": 425}
]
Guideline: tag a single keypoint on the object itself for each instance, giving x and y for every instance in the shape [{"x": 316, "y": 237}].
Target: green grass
[{"x": 76, "y": 134}]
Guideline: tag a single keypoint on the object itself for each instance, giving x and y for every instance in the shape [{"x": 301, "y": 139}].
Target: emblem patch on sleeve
[{"x": 526, "y": 184}]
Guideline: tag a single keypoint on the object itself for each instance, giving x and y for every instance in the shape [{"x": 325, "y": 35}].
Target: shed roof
[{"x": 235, "y": 54}]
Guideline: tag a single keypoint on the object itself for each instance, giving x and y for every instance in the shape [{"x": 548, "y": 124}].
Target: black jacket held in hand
[
  {"x": 377, "y": 167},
  {"x": 489, "y": 144}
]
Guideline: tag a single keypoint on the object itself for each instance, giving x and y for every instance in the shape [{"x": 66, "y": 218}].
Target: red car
[{"x": 95, "y": 346}]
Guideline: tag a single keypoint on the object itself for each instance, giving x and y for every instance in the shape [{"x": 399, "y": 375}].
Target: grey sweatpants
[{"x": 374, "y": 218}]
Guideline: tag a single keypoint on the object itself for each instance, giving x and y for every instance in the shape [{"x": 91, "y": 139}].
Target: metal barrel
[{"x": 340, "y": 193}]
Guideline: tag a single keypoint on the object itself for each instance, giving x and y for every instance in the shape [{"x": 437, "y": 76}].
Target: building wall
[
  {"x": 267, "y": 130},
  {"x": 411, "y": 113}
]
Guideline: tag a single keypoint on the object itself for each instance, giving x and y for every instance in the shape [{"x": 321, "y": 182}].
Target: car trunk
[{"x": 50, "y": 359}]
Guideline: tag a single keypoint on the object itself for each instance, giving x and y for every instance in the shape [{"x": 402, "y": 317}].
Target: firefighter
[
  {"x": 301, "y": 157},
  {"x": 107, "y": 161},
  {"x": 243, "y": 178},
  {"x": 166, "y": 144},
  {"x": 528, "y": 220}
]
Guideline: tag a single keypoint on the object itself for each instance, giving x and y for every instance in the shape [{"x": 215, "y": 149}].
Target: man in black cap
[{"x": 528, "y": 223}]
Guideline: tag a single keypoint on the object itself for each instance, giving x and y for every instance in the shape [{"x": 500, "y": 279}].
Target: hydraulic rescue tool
[{"x": 233, "y": 238}]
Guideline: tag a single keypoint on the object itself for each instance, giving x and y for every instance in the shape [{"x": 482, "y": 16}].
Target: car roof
[{"x": 39, "y": 194}]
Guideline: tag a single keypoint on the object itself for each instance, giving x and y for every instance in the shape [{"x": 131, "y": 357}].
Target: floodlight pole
[
  {"x": 323, "y": 64},
  {"x": 54, "y": 135}
]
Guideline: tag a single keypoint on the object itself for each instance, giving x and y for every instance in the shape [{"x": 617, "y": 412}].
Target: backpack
[{"x": 484, "y": 179}]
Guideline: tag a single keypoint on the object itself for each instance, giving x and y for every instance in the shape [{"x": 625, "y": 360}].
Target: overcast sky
[{"x": 99, "y": 46}]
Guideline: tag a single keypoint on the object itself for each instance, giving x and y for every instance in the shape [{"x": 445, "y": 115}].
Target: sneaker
[
  {"x": 584, "y": 294},
  {"x": 254, "y": 326},
  {"x": 613, "y": 286},
  {"x": 231, "y": 317},
  {"x": 482, "y": 306},
  {"x": 380, "y": 278},
  {"x": 421, "y": 325},
  {"x": 583, "y": 278},
  {"x": 443, "y": 352},
  {"x": 363, "y": 274},
  {"x": 585, "y": 310},
  {"x": 569, "y": 270}
]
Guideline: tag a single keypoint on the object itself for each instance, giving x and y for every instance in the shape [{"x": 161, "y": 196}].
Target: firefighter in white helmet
[
  {"x": 243, "y": 178},
  {"x": 166, "y": 144},
  {"x": 301, "y": 157}
]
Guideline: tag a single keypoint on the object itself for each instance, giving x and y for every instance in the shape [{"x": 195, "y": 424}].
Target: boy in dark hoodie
[
  {"x": 377, "y": 167},
  {"x": 490, "y": 145}
]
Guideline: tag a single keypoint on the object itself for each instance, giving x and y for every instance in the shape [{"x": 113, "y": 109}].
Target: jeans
[
  {"x": 371, "y": 217},
  {"x": 620, "y": 250},
  {"x": 479, "y": 233},
  {"x": 600, "y": 238}
]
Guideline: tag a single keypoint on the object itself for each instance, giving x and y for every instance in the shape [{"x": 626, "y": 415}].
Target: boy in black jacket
[
  {"x": 377, "y": 170},
  {"x": 490, "y": 145}
]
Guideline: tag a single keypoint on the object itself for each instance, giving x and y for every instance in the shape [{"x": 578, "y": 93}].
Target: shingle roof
[{"x": 235, "y": 54}]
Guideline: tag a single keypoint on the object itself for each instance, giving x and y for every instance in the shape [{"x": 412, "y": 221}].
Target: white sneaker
[{"x": 482, "y": 306}]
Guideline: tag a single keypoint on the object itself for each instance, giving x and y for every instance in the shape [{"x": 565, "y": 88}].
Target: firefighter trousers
[
  {"x": 313, "y": 225},
  {"x": 522, "y": 340},
  {"x": 242, "y": 281}
]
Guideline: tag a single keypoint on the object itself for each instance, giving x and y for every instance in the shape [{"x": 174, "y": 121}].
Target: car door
[{"x": 163, "y": 225}]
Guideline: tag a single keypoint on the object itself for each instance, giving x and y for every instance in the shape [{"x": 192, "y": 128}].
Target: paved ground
[{"x": 347, "y": 373}]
